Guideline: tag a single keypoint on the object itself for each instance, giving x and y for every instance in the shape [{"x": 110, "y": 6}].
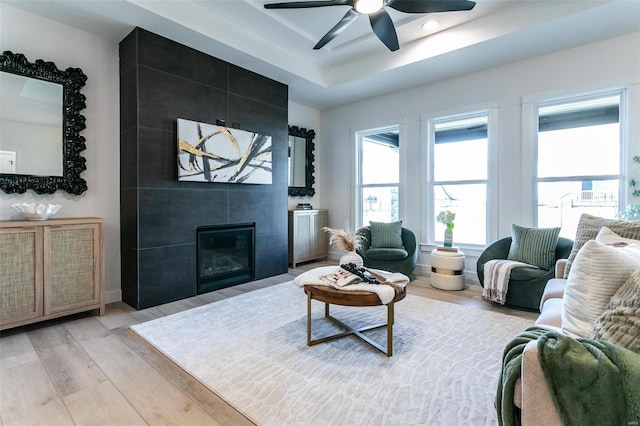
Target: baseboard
[{"x": 113, "y": 296}]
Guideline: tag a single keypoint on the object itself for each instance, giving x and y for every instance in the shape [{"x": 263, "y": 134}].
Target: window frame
[
  {"x": 429, "y": 123},
  {"x": 360, "y": 135},
  {"x": 530, "y": 138}
]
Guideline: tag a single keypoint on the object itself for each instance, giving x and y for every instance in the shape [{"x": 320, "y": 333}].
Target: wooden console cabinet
[
  {"x": 307, "y": 240},
  {"x": 49, "y": 269}
]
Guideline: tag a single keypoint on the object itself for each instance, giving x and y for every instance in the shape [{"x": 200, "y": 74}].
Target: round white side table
[{"x": 447, "y": 270}]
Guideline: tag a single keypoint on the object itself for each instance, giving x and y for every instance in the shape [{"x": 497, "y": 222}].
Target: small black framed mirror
[
  {"x": 301, "y": 147},
  {"x": 40, "y": 143}
]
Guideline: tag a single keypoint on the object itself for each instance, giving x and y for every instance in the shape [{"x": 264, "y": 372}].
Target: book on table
[{"x": 340, "y": 278}]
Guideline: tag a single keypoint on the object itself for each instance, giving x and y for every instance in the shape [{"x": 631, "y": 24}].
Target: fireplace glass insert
[{"x": 226, "y": 255}]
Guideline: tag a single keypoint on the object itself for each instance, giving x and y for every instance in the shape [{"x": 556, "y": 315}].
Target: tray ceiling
[{"x": 355, "y": 65}]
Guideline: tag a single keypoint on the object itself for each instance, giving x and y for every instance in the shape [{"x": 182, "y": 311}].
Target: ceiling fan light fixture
[
  {"x": 368, "y": 6},
  {"x": 381, "y": 22}
]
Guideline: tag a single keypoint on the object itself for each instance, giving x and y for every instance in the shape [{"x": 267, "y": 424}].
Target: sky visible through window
[
  {"x": 460, "y": 172},
  {"x": 578, "y": 164},
  {"x": 380, "y": 181},
  {"x": 582, "y": 151}
]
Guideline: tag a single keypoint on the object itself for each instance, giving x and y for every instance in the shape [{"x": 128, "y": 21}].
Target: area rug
[{"x": 251, "y": 350}]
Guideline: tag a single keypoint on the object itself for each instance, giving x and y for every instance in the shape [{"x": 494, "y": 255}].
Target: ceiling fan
[{"x": 381, "y": 22}]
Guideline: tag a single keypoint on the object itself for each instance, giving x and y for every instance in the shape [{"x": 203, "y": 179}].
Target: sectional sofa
[{"x": 598, "y": 301}]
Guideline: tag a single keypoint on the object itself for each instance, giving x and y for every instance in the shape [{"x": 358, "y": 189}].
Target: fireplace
[{"x": 226, "y": 255}]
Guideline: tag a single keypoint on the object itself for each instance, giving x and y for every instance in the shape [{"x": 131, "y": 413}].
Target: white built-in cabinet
[
  {"x": 50, "y": 269},
  {"x": 307, "y": 240}
]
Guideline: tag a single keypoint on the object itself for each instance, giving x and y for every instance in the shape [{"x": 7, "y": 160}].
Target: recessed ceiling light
[
  {"x": 368, "y": 6},
  {"x": 430, "y": 25}
]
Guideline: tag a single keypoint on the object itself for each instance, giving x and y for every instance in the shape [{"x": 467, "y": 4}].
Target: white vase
[
  {"x": 448, "y": 238},
  {"x": 352, "y": 257}
]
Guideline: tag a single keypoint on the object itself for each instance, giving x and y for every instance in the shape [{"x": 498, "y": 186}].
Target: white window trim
[
  {"x": 529, "y": 160},
  {"x": 357, "y": 136},
  {"x": 428, "y": 122}
]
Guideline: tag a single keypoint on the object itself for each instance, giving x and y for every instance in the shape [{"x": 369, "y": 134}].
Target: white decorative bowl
[{"x": 36, "y": 211}]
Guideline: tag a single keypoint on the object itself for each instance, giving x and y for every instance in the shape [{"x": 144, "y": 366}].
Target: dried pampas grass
[{"x": 347, "y": 240}]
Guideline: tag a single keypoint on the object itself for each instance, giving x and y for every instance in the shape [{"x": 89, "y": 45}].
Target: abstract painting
[{"x": 211, "y": 153}]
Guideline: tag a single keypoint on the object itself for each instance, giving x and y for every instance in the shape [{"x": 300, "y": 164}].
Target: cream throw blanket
[
  {"x": 386, "y": 293},
  {"x": 496, "y": 278}
]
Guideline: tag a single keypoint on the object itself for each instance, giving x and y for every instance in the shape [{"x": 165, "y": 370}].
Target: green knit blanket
[{"x": 592, "y": 382}]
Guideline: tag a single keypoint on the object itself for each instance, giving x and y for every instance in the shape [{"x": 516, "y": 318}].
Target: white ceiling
[{"x": 355, "y": 65}]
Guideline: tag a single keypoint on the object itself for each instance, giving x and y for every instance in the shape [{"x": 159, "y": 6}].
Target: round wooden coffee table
[{"x": 333, "y": 296}]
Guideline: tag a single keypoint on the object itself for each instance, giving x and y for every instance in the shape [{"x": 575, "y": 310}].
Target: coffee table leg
[
  {"x": 350, "y": 331},
  {"x": 390, "y": 321}
]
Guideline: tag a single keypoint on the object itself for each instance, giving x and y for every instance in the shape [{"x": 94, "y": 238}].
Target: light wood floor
[{"x": 93, "y": 370}]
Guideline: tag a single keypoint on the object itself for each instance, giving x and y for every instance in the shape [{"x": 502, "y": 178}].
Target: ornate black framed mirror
[
  {"x": 301, "y": 158},
  {"x": 40, "y": 142}
]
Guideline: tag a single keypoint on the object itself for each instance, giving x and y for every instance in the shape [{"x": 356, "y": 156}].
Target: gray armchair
[{"x": 390, "y": 259}]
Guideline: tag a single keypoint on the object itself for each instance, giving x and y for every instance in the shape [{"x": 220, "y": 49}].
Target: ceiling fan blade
[
  {"x": 346, "y": 20},
  {"x": 382, "y": 26},
  {"x": 430, "y": 6},
  {"x": 306, "y": 4}
]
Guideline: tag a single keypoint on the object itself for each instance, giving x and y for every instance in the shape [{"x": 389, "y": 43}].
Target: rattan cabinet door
[
  {"x": 71, "y": 267},
  {"x": 20, "y": 275}
]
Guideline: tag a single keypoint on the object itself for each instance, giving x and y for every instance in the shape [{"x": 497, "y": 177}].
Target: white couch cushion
[
  {"x": 551, "y": 313},
  {"x": 598, "y": 271},
  {"x": 553, "y": 290}
]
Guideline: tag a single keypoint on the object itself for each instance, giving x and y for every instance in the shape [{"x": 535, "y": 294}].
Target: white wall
[
  {"x": 610, "y": 63},
  {"x": 308, "y": 118},
  {"x": 39, "y": 38}
]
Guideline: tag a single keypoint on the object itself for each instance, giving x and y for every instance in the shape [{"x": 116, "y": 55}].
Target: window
[
  {"x": 459, "y": 148},
  {"x": 378, "y": 175},
  {"x": 578, "y": 160}
]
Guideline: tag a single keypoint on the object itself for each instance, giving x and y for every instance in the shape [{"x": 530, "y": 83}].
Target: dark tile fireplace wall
[{"x": 161, "y": 81}]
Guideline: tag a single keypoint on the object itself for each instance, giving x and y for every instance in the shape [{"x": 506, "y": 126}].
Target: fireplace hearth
[{"x": 226, "y": 255}]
